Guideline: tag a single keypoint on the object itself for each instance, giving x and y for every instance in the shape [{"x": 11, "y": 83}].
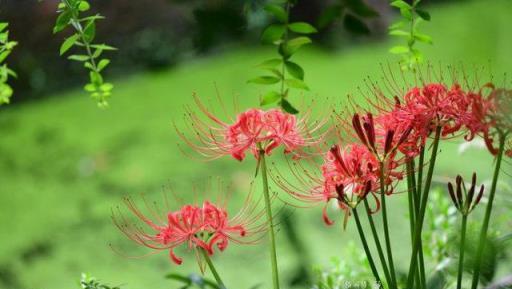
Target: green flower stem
[
  {"x": 268, "y": 209},
  {"x": 377, "y": 244},
  {"x": 485, "y": 225},
  {"x": 365, "y": 246},
  {"x": 416, "y": 190},
  {"x": 461, "y": 251},
  {"x": 411, "y": 190},
  {"x": 213, "y": 270},
  {"x": 386, "y": 227},
  {"x": 423, "y": 206}
]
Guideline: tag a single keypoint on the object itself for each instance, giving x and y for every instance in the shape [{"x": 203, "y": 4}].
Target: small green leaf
[
  {"x": 296, "y": 43},
  {"x": 288, "y": 107},
  {"x": 423, "y": 38},
  {"x": 80, "y": 58},
  {"x": 399, "y": 49},
  {"x": 96, "y": 78},
  {"x": 277, "y": 11},
  {"x": 68, "y": 43},
  {"x": 89, "y": 87},
  {"x": 273, "y": 33},
  {"x": 294, "y": 69},
  {"x": 355, "y": 25},
  {"x": 270, "y": 97},
  {"x": 302, "y": 27},
  {"x": 296, "y": 83},
  {"x": 401, "y": 4},
  {"x": 90, "y": 31},
  {"x": 97, "y": 53},
  {"x": 103, "y": 63},
  {"x": 103, "y": 47},
  {"x": 423, "y": 14},
  {"x": 271, "y": 63},
  {"x": 264, "y": 80},
  {"x": 396, "y": 25},
  {"x": 106, "y": 87},
  {"x": 83, "y": 6},
  {"x": 62, "y": 21},
  {"x": 3, "y": 25},
  {"x": 396, "y": 32}
]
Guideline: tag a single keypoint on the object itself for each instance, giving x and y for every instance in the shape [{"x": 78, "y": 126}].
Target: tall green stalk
[
  {"x": 268, "y": 209},
  {"x": 365, "y": 246},
  {"x": 378, "y": 245},
  {"x": 413, "y": 208},
  {"x": 213, "y": 270},
  {"x": 386, "y": 227},
  {"x": 461, "y": 250},
  {"x": 485, "y": 225},
  {"x": 418, "y": 227}
]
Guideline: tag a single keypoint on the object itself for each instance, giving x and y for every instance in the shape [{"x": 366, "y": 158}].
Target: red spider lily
[
  {"x": 252, "y": 130},
  {"x": 489, "y": 115},
  {"x": 348, "y": 175},
  {"x": 197, "y": 227}
]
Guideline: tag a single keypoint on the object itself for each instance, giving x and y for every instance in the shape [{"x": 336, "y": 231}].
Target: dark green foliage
[
  {"x": 351, "y": 12},
  {"x": 6, "y": 47},
  {"x": 407, "y": 28},
  {"x": 83, "y": 37},
  {"x": 279, "y": 34}
]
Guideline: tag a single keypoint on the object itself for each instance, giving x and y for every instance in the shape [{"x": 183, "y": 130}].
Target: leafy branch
[
  {"x": 279, "y": 34},
  {"x": 85, "y": 32},
  {"x": 407, "y": 28},
  {"x": 6, "y": 47}
]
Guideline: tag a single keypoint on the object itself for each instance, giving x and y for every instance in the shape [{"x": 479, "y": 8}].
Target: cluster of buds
[{"x": 463, "y": 199}]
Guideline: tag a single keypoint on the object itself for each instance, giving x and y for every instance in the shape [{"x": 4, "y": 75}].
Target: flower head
[
  {"x": 254, "y": 131},
  {"x": 205, "y": 226}
]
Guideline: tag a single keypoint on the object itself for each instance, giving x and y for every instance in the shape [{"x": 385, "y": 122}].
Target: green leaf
[
  {"x": 355, "y": 25},
  {"x": 264, "y": 80},
  {"x": 296, "y": 43},
  {"x": 302, "y": 27},
  {"x": 83, "y": 6},
  {"x": 294, "y": 69},
  {"x": 96, "y": 78},
  {"x": 270, "y": 97},
  {"x": 62, "y": 21},
  {"x": 396, "y": 25},
  {"x": 103, "y": 47},
  {"x": 396, "y": 32},
  {"x": 399, "y": 49},
  {"x": 106, "y": 87},
  {"x": 90, "y": 31},
  {"x": 3, "y": 55},
  {"x": 277, "y": 11},
  {"x": 273, "y": 33},
  {"x": 360, "y": 8},
  {"x": 68, "y": 43},
  {"x": 288, "y": 107},
  {"x": 271, "y": 63},
  {"x": 5, "y": 93},
  {"x": 103, "y": 63},
  {"x": 423, "y": 38},
  {"x": 296, "y": 83},
  {"x": 80, "y": 58},
  {"x": 401, "y": 4},
  {"x": 329, "y": 15},
  {"x": 3, "y": 25},
  {"x": 423, "y": 14}
]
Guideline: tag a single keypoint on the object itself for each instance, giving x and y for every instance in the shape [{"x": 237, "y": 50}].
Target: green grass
[{"x": 65, "y": 163}]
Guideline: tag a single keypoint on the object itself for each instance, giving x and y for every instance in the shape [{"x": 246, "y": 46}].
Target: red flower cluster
[
  {"x": 198, "y": 227},
  {"x": 381, "y": 144},
  {"x": 252, "y": 130}
]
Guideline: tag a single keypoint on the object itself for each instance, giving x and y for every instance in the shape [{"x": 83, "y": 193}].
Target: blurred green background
[{"x": 64, "y": 163}]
